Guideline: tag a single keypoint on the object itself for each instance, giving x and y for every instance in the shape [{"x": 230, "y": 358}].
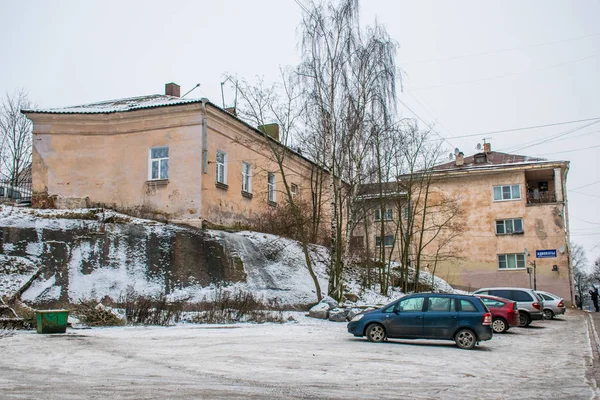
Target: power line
[
  {"x": 423, "y": 121},
  {"x": 583, "y": 220},
  {"x": 524, "y": 128},
  {"x": 589, "y": 184},
  {"x": 501, "y": 50},
  {"x": 549, "y": 138},
  {"x": 585, "y": 194},
  {"x": 571, "y": 151},
  {"x": 508, "y": 75}
]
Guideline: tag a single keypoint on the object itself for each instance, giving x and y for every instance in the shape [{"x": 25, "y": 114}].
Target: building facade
[
  {"x": 162, "y": 157},
  {"x": 511, "y": 226}
]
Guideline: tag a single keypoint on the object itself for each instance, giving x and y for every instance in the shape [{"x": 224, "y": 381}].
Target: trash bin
[{"x": 51, "y": 321}]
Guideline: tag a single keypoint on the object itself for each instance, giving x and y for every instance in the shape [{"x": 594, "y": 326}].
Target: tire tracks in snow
[{"x": 592, "y": 360}]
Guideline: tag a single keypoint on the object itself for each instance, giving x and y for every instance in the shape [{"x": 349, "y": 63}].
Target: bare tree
[
  {"x": 349, "y": 79},
  {"x": 581, "y": 275},
  {"x": 281, "y": 104},
  {"x": 16, "y": 137}
]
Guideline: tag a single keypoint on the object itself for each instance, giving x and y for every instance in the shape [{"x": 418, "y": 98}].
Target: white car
[{"x": 553, "y": 305}]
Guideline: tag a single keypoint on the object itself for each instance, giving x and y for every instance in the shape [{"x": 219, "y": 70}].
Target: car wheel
[
  {"x": 376, "y": 333},
  {"x": 499, "y": 325},
  {"x": 465, "y": 339},
  {"x": 548, "y": 314},
  {"x": 524, "y": 320}
]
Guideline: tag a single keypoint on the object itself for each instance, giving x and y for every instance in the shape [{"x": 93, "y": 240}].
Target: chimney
[
  {"x": 271, "y": 130},
  {"x": 231, "y": 110},
  {"x": 460, "y": 159},
  {"x": 172, "y": 89},
  {"x": 487, "y": 147}
]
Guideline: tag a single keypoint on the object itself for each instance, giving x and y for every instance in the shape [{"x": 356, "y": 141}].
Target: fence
[{"x": 15, "y": 193}]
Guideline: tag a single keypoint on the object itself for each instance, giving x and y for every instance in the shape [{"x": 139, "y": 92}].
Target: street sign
[{"x": 545, "y": 253}]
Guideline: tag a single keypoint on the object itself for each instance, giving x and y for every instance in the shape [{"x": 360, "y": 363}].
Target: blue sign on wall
[{"x": 545, "y": 254}]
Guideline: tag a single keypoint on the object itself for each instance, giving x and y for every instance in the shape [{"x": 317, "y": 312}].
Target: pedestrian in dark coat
[{"x": 594, "y": 294}]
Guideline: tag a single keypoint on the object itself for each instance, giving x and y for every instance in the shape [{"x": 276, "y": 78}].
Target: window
[
  {"x": 246, "y": 177},
  {"x": 492, "y": 303},
  {"x": 466, "y": 305},
  {"x": 222, "y": 167},
  {"x": 511, "y": 261},
  {"x": 294, "y": 190},
  {"x": 440, "y": 304},
  {"x": 388, "y": 214},
  {"x": 508, "y": 226},
  {"x": 411, "y": 305},
  {"x": 509, "y": 192},
  {"x": 271, "y": 187},
  {"x": 159, "y": 163},
  {"x": 546, "y": 297},
  {"x": 388, "y": 241}
]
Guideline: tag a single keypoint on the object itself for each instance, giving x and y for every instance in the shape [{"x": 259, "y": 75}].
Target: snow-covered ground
[{"x": 311, "y": 359}]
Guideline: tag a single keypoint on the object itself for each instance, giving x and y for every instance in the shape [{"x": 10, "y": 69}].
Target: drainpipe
[
  {"x": 567, "y": 232},
  {"x": 204, "y": 139}
]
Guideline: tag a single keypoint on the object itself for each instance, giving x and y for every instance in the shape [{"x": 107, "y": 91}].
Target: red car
[{"x": 504, "y": 312}]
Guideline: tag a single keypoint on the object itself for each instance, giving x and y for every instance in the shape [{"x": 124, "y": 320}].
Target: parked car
[
  {"x": 553, "y": 305},
  {"x": 529, "y": 304},
  {"x": 504, "y": 312},
  {"x": 462, "y": 318}
]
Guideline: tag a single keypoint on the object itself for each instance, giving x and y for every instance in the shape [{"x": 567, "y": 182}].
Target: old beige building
[
  {"x": 162, "y": 157},
  {"x": 512, "y": 229}
]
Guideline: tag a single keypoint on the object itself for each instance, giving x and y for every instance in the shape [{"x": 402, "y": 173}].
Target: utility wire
[
  {"x": 423, "y": 121},
  {"x": 589, "y": 184},
  {"x": 551, "y": 137},
  {"x": 570, "y": 151},
  {"x": 500, "y": 51},
  {"x": 524, "y": 128},
  {"x": 507, "y": 75}
]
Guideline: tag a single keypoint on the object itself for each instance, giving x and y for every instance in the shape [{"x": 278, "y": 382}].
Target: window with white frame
[
  {"x": 388, "y": 241},
  {"x": 221, "y": 167},
  {"x": 294, "y": 190},
  {"x": 159, "y": 163},
  {"x": 388, "y": 214},
  {"x": 507, "y": 192},
  {"x": 511, "y": 261},
  {"x": 271, "y": 187},
  {"x": 246, "y": 177},
  {"x": 509, "y": 226}
]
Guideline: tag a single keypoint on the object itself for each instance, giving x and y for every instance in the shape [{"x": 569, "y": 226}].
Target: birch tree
[{"x": 15, "y": 136}]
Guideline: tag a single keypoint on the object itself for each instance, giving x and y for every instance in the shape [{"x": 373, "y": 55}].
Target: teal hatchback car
[{"x": 462, "y": 318}]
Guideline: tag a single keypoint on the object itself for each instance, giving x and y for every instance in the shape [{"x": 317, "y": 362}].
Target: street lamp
[{"x": 529, "y": 271}]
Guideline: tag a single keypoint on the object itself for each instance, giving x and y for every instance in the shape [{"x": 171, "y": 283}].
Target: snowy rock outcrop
[{"x": 320, "y": 311}]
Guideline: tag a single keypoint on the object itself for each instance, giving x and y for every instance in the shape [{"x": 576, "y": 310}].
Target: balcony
[{"x": 541, "y": 187}]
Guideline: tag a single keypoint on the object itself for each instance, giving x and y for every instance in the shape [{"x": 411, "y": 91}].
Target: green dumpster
[{"x": 51, "y": 321}]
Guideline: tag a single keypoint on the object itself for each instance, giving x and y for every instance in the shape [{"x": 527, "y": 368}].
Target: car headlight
[{"x": 357, "y": 317}]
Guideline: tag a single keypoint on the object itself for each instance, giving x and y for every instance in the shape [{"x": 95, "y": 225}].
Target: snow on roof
[
  {"x": 120, "y": 105},
  {"x": 493, "y": 159}
]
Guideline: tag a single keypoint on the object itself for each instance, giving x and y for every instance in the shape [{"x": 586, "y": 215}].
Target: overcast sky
[{"x": 471, "y": 67}]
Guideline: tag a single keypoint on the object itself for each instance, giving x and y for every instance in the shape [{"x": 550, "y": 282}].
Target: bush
[
  {"x": 95, "y": 314},
  {"x": 239, "y": 306},
  {"x": 147, "y": 310}
]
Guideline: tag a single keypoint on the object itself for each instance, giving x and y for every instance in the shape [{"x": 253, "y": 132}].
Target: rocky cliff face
[
  {"x": 92, "y": 254},
  {"x": 55, "y": 257}
]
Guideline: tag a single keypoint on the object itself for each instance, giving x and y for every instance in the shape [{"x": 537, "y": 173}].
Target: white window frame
[
  {"x": 221, "y": 171},
  {"x": 246, "y": 177},
  {"x": 509, "y": 226},
  {"x": 159, "y": 161},
  {"x": 519, "y": 258},
  {"x": 378, "y": 238},
  {"x": 388, "y": 214},
  {"x": 294, "y": 190},
  {"x": 515, "y": 192},
  {"x": 271, "y": 188}
]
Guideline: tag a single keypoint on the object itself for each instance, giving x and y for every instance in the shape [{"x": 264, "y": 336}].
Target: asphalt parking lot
[{"x": 307, "y": 359}]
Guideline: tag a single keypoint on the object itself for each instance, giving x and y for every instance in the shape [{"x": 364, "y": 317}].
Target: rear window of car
[
  {"x": 520, "y": 295},
  {"x": 492, "y": 303},
  {"x": 545, "y": 296},
  {"x": 466, "y": 305}
]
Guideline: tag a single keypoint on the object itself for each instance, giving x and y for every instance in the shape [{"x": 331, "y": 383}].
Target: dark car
[
  {"x": 462, "y": 318},
  {"x": 504, "y": 312}
]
